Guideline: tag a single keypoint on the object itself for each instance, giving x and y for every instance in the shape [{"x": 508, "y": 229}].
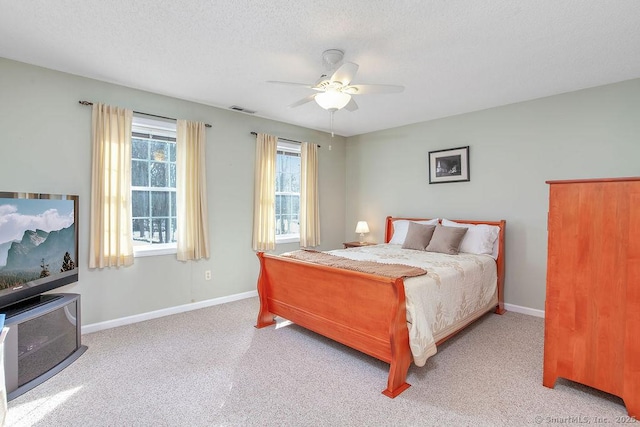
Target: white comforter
[{"x": 455, "y": 290}]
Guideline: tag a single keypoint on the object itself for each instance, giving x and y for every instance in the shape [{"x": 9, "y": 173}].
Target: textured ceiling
[{"x": 452, "y": 56}]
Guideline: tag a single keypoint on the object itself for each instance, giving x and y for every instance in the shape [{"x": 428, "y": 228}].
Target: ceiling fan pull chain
[{"x": 331, "y": 115}]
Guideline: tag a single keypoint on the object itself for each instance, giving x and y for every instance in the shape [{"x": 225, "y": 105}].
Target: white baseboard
[
  {"x": 524, "y": 310},
  {"x": 95, "y": 327}
]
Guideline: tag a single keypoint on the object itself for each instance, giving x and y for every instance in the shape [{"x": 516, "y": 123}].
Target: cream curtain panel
[
  {"x": 111, "y": 236},
  {"x": 264, "y": 197},
  {"x": 309, "y": 211},
  {"x": 191, "y": 192}
]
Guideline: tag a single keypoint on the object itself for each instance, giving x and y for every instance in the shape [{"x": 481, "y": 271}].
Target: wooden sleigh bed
[{"x": 364, "y": 311}]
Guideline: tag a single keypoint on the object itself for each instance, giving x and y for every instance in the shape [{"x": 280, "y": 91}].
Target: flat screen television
[{"x": 38, "y": 244}]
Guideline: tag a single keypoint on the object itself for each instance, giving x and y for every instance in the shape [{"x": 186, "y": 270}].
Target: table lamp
[{"x": 362, "y": 228}]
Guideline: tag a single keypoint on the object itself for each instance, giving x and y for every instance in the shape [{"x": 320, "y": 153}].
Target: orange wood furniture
[
  {"x": 357, "y": 244},
  {"x": 363, "y": 311},
  {"x": 592, "y": 308}
]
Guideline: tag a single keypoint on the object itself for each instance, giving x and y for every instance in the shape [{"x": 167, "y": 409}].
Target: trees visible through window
[
  {"x": 153, "y": 182},
  {"x": 287, "y": 192}
]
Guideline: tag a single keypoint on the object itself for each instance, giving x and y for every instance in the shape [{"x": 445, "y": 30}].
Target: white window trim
[
  {"x": 156, "y": 127},
  {"x": 290, "y": 147},
  {"x": 287, "y": 238},
  {"x": 155, "y": 249}
]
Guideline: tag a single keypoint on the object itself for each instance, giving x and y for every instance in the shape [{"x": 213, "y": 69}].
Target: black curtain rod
[
  {"x": 146, "y": 114},
  {"x": 285, "y": 139}
]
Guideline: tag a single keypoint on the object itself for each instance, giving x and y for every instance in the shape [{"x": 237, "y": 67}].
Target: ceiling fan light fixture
[{"x": 332, "y": 100}]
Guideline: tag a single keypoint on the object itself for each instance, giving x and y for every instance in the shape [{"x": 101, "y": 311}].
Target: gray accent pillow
[
  {"x": 418, "y": 236},
  {"x": 446, "y": 240}
]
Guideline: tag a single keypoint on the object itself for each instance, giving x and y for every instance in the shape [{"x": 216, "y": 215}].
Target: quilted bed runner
[{"x": 371, "y": 267}]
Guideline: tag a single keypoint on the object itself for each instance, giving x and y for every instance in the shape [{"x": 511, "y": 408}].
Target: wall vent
[{"x": 242, "y": 110}]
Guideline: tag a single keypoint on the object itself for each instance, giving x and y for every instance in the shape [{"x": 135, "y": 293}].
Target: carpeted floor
[{"x": 211, "y": 367}]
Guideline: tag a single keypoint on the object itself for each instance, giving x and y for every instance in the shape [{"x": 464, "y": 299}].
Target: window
[
  {"x": 153, "y": 186},
  {"x": 287, "y": 192}
]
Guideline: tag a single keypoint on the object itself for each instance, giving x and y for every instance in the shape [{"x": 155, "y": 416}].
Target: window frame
[
  {"x": 295, "y": 148},
  {"x": 163, "y": 131}
]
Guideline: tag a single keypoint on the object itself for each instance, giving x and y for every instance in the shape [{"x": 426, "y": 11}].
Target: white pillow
[
  {"x": 401, "y": 227},
  {"x": 479, "y": 239}
]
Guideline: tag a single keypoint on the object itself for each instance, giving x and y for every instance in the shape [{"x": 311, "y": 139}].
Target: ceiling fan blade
[
  {"x": 345, "y": 73},
  {"x": 367, "y": 89},
  {"x": 292, "y": 84},
  {"x": 302, "y": 101},
  {"x": 351, "y": 106}
]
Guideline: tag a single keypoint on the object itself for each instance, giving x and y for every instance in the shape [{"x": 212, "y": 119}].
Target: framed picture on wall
[{"x": 450, "y": 165}]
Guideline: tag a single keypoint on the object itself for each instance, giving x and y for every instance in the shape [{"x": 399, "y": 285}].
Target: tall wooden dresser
[{"x": 592, "y": 308}]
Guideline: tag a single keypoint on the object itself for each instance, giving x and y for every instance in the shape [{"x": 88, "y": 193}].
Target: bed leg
[
  {"x": 500, "y": 309},
  {"x": 401, "y": 356},
  {"x": 265, "y": 318},
  {"x": 397, "y": 382},
  {"x": 400, "y": 362}
]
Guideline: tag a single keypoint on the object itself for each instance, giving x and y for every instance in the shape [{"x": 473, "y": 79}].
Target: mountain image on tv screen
[{"x": 37, "y": 239}]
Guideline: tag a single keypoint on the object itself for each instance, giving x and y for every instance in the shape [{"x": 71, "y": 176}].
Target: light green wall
[
  {"x": 513, "y": 150},
  {"x": 45, "y": 147}
]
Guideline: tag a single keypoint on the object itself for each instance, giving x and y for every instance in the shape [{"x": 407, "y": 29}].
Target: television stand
[
  {"x": 29, "y": 304},
  {"x": 43, "y": 339}
]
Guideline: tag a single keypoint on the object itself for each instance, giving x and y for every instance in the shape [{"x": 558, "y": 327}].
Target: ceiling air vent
[{"x": 242, "y": 110}]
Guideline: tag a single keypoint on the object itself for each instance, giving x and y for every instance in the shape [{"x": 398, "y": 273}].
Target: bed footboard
[{"x": 363, "y": 311}]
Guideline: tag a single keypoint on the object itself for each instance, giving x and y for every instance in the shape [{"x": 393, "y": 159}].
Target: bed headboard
[{"x": 499, "y": 260}]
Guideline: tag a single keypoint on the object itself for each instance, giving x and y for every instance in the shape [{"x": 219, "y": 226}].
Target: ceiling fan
[{"x": 335, "y": 91}]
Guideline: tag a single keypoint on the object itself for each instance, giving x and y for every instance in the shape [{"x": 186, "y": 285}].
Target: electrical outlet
[{"x": 207, "y": 275}]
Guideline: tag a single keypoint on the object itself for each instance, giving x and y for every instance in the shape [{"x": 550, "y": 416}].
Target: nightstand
[{"x": 357, "y": 244}]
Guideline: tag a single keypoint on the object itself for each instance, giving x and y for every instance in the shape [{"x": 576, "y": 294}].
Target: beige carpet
[{"x": 211, "y": 367}]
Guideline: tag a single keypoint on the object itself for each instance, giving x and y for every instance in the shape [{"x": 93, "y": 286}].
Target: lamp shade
[
  {"x": 362, "y": 227},
  {"x": 332, "y": 99}
]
